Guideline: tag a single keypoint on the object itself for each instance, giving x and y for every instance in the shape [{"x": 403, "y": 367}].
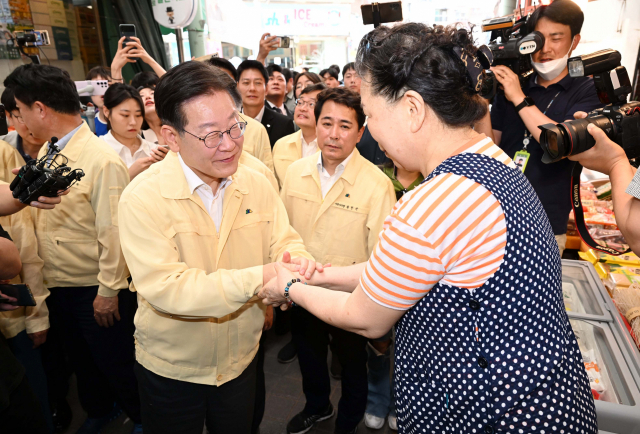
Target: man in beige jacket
[
  {"x": 79, "y": 243},
  {"x": 200, "y": 234},
  {"x": 337, "y": 201}
]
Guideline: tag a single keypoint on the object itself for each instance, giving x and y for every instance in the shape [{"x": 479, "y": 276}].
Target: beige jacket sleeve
[
  {"x": 22, "y": 231},
  {"x": 166, "y": 282},
  {"x": 263, "y": 149},
  {"x": 108, "y": 186},
  {"x": 380, "y": 210},
  {"x": 285, "y": 238}
]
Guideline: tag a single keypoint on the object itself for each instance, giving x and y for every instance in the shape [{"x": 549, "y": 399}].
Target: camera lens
[{"x": 552, "y": 140}]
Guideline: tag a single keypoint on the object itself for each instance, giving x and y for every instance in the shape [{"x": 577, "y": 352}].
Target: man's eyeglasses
[
  {"x": 302, "y": 103},
  {"x": 18, "y": 118},
  {"x": 214, "y": 138}
]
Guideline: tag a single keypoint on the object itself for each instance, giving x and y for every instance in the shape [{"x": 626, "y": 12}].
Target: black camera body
[
  {"x": 44, "y": 177},
  {"x": 510, "y": 47},
  {"x": 618, "y": 119}
]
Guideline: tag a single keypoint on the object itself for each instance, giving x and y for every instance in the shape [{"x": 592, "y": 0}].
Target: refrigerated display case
[{"x": 611, "y": 357}]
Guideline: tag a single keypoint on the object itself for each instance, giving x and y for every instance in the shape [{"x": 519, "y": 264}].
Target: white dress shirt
[
  {"x": 150, "y": 136},
  {"x": 281, "y": 108},
  {"x": 143, "y": 151},
  {"x": 258, "y": 116},
  {"x": 212, "y": 202},
  {"x": 309, "y": 149},
  {"x": 327, "y": 181}
]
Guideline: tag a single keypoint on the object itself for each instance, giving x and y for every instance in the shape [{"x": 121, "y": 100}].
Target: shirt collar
[
  {"x": 145, "y": 146},
  {"x": 340, "y": 167},
  {"x": 20, "y": 149},
  {"x": 314, "y": 142},
  {"x": 61, "y": 143},
  {"x": 565, "y": 83},
  {"x": 194, "y": 181}
]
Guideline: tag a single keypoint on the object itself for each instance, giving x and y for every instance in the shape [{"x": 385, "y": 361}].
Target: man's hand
[
  {"x": 105, "y": 309},
  {"x": 510, "y": 82},
  {"x": 268, "y": 43},
  {"x": 6, "y": 307},
  {"x": 42, "y": 202},
  {"x": 272, "y": 293},
  {"x": 38, "y": 338},
  {"x": 604, "y": 155},
  {"x": 268, "y": 319}
]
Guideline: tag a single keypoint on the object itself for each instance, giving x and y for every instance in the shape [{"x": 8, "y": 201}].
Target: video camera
[
  {"x": 511, "y": 47},
  {"x": 25, "y": 40},
  {"x": 44, "y": 177},
  {"x": 619, "y": 119}
]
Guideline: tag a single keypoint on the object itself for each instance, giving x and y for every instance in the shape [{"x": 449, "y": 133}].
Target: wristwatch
[{"x": 528, "y": 101}]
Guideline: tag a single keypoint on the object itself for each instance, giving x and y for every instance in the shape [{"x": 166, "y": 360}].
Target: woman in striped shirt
[{"x": 466, "y": 268}]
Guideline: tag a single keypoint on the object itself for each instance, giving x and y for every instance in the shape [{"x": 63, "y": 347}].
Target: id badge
[{"x": 521, "y": 159}]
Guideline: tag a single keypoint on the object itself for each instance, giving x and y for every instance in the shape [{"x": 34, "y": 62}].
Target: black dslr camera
[
  {"x": 510, "y": 46},
  {"x": 44, "y": 177},
  {"x": 619, "y": 119}
]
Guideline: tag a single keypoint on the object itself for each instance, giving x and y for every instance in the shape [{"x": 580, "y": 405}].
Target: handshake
[{"x": 276, "y": 276}]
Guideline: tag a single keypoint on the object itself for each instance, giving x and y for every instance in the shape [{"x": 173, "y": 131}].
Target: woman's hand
[
  {"x": 139, "y": 52},
  {"x": 121, "y": 59},
  {"x": 273, "y": 292},
  {"x": 140, "y": 166},
  {"x": 159, "y": 153}
]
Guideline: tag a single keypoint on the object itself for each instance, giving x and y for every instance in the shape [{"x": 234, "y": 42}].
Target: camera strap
[{"x": 578, "y": 212}]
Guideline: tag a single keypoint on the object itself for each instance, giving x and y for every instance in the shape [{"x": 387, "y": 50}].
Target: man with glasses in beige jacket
[{"x": 200, "y": 233}]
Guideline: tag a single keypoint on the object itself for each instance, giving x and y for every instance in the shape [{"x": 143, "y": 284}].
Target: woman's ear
[
  {"x": 415, "y": 108},
  {"x": 107, "y": 113}
]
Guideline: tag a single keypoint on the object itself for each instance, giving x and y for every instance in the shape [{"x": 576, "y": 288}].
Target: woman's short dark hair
[
  {"x": 348, "y": 67},
  {"x": 342, "y": 96},
  {"x": 50, "y": 85},
  {"x": 185, "y": 82},
  {"x": 417, "y": 57},
  {"x": 8, "y": 101},
  {"x": 253, "y": 64},
  {"x": 118, "y": 93},
  {"x": 312, "y": 88},
  {"x": 221, "y": 63},
  {"x": 98, "y": 71},
  {"x": 312, "y": 76},
  {"x": 560, "y": 11},
  {"x": 145, "y": 79}
]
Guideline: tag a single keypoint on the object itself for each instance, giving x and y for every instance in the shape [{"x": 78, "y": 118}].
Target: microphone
[{"x": 53, "y": 149}]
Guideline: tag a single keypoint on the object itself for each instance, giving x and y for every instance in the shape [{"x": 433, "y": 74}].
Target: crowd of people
[{"x": 373, "y": 212}]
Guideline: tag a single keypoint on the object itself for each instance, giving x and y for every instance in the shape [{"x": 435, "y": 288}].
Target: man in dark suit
[
  {"x": 277, "y": 90},
  {"x": 252, "y": 84}
]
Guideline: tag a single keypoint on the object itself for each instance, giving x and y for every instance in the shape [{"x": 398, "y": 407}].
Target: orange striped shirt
[{"x": 449, "y": 229}]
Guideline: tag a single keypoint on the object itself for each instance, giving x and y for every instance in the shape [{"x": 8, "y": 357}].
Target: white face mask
[{"x": 551, "y": 69}]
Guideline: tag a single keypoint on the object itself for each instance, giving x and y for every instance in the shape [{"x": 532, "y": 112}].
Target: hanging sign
[{"x": 174, "y": 13}]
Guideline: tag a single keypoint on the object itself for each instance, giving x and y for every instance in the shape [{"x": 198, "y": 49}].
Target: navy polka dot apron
[{"x": 502, "y": 357}]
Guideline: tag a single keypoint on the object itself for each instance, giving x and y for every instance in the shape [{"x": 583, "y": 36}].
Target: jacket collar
[
  {"x": 173, "y": 182},
  {"x": 75, "y": 145}
]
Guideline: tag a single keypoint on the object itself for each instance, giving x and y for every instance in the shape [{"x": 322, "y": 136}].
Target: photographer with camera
[
  {"x": 609, "y": 158},
  {"x": 549, "y": 96},
  {"x": 79, "y": 243}
]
